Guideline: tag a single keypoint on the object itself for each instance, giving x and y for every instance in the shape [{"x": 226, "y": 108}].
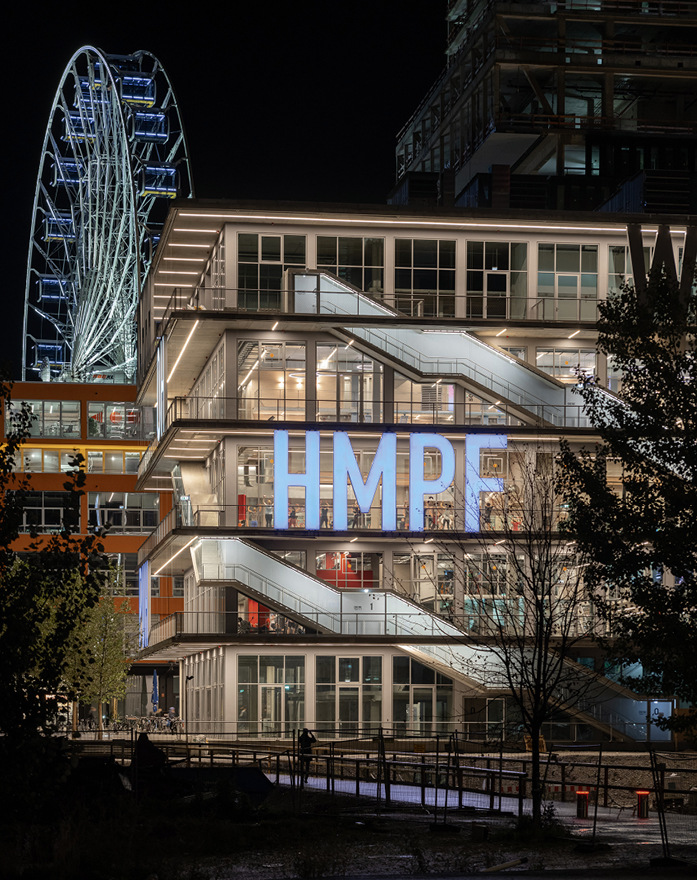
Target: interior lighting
[
  {"x": 353, "y": 540},
  {"x": 575, "y": 333},
  {"x": 174, "y": 556},
  {"x": 274, "y": 326},
  {"x": 189, "y": 448},
  {"x": 430, "y": 541},
  {"x": 501, "y": 332},
  {"x": 188, "y": 340},
  {"x": 186, "y": 244},
  {"x": 502, "y": 541},
  {"x": 183, "y": 260},
  {"x": 254, "y": 366},
  {"x": 175, "y": 272}
]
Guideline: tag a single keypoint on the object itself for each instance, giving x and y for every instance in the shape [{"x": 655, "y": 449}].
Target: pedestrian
[{"x": 305, "y": 742}]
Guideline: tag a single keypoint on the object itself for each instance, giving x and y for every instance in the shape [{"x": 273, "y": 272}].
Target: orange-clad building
[{"x": 101, "y": 422}]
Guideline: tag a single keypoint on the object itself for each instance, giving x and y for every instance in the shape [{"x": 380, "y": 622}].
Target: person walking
[{"x": 305, "y": 742}]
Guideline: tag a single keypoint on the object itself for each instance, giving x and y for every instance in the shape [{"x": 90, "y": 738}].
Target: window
[
  {"x": 113, "y": 420},
  {"x": 348, "y": 693},
  {"x": 44, "y": 512},
  {"x": 353, "y": 570},
  {"x": 297, "y": 558},
  {"x": 425, "y": 402},
  {"x": 349, "y": 385},
  {"x": 620, "y": 266},
  {"x": 127, "y": 568},
  {"x": 517, "y": 351},
  {"x": 112, "y": 461},
  {"x": 271, "y": 383},
  {"x": 262, "y": 260},
  {"x": 421, "y": 698},
  {"x": 207, "y": 399},
  {"x": 564, "y": 364},
  {"x": 567, "y": 282},
  {"x": 255, "y": 486},
  {"x": 497, "y": 279},
  {"x": 360, "y": 261},
  {"x": 426, "y": 578},
  {"x": 425, "y": 277},
  {"x": 270, "y": 694},
  {"x": 124, "y": 512},
  {"x": 54, "y": 418},
  {"x": 48, "y": 461}
]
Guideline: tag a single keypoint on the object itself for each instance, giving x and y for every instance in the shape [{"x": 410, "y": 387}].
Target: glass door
[{"x": 348, "y": 711}]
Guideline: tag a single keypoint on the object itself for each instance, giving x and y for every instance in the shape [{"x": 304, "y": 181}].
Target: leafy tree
[
  {"x": 98, "y": 652},
  {"x": 44, "y": 594},
  {"x": 640, "y": 539}
]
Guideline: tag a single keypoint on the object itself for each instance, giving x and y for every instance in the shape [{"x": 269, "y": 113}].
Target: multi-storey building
[
  {"x": 102, "y": 423},
  {"x": 572, "y": 104},
  {"x": 336, "y": 395}
]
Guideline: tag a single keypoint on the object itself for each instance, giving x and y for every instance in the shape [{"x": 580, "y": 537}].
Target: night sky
[{"x": 280, "y": 100}]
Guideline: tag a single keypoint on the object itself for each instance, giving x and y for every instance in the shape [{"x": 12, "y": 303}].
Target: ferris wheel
[{"x": 113, "y": 155}]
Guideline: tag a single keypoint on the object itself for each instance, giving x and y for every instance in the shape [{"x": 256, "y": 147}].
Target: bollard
[
  {"x": 581, "y": 804},
  {"x": 642, "y": 804}
]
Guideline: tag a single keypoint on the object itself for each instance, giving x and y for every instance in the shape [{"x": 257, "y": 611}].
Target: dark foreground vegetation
[{"x": 196, "y": 826}]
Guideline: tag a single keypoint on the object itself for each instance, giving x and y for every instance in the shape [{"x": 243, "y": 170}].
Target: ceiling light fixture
[{"x": 188, "y": 340}]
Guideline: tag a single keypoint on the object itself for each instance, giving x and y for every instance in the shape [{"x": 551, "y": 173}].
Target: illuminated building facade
[
  {"x": 336, "y": 395},
  {"x": 102, "y": 423}
]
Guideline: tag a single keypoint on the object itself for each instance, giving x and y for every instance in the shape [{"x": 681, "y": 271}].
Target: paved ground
[{"x": 610, "y": 823}]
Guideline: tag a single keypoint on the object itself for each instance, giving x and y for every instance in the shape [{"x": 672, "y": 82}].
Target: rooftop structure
[{"x": 583, "y": 104}]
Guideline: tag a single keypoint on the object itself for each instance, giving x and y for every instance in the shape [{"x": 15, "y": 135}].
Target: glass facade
[
  {"x": 54, "y": 418},
  {"x": 424, "y": 277},
  {"x": 497, "y": 279},
  {"x": 567, "y": 282},
  {"x": 270, "y": 694},
  {"x": 45, "y": 512},
  {"x": 359, "y": 261},
  {"x": 422, "y": 699},
  {"x": 272, "y": 383},
  {"x": 262, "y": 259},
  {"x": 348, "y": 693},
  {"x": 113, "y": 420},
  {"x": 124, "y": 512},
  {"x": 349, "y": 385}
]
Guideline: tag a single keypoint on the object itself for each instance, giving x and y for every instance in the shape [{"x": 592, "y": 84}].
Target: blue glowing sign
[{"x": 384, "y": 468}]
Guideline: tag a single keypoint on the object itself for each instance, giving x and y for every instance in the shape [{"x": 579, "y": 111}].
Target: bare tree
[{"x": 525, "y": 603}]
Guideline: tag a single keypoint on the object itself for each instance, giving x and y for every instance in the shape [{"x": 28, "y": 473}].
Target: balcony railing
[
  {"x": 406, "y": 303},
  {"x": 486, "y": 617},
  {"x": 257, "y": 513},
  {"x": 366, "y": 411}
]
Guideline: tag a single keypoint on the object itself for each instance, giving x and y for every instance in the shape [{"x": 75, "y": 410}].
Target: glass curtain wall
[
  {"x": 424, "y": 277},
  {"x": 271, "y": 380},
  {"x": 348, "y": 693},
  {"x": 270, "y": 694},
  {"x": 497, "y": 279},
  {"x": 349, "y": 385},
  {"x": 359, "y": 261}
]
